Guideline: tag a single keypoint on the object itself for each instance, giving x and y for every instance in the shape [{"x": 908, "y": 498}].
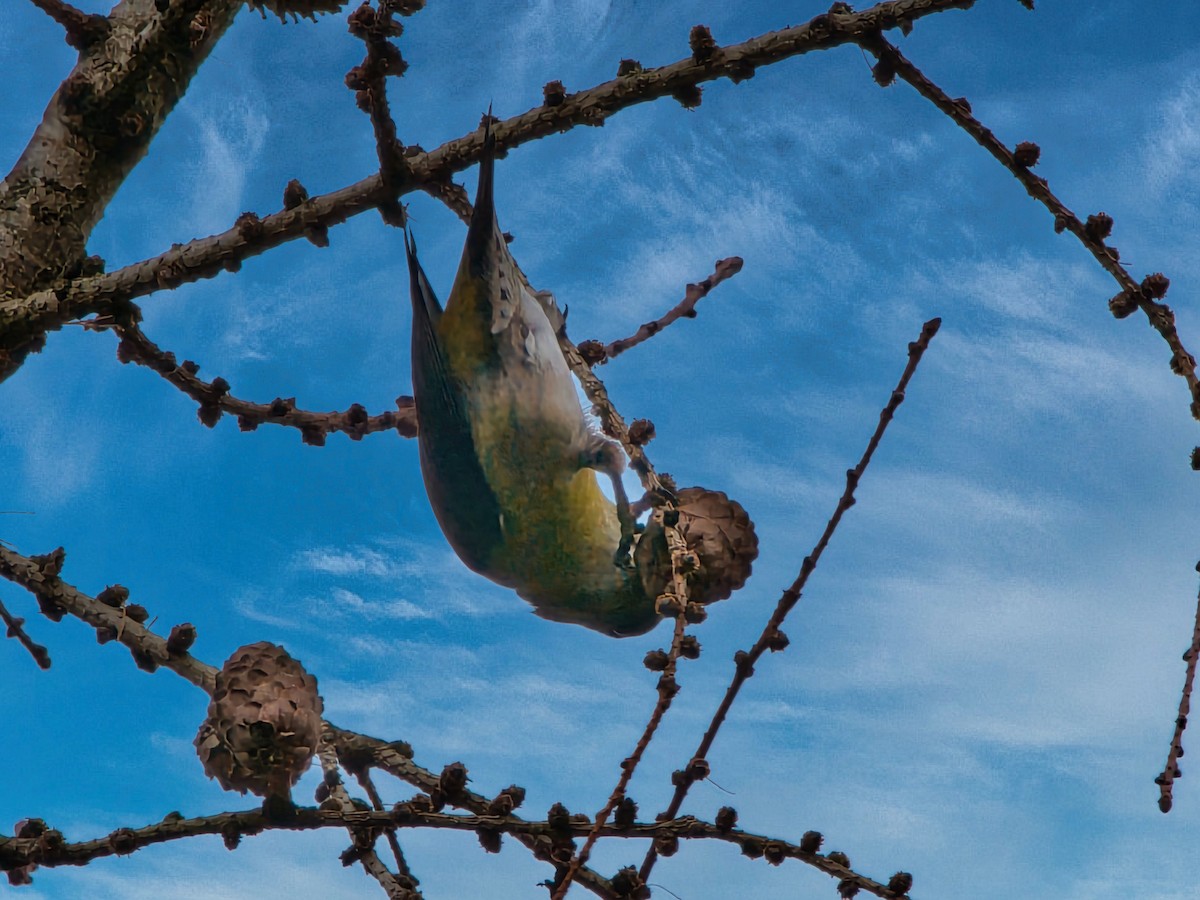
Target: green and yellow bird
[{"x": 508, "y": 457}]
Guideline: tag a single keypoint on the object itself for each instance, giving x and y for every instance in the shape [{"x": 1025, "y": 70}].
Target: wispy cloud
[
  {"x": 391, "y": 580},
  {"x": 342, "y": 602},
  {"x": 1020, "y": 287},
  {"x": 1172, "y": 149},
  {"x": 264, "y": 866},
  {"x": 359, "y": 560},
  {"x": 230, "y": 135}
]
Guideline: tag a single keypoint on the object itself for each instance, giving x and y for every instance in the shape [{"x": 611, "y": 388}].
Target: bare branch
[
  {"x": 367, "y": 784},
  {"x": 356, "y": 751},
  {"x": 50, "y": 849},
  {"x": 96, "y": 128},
  {"x": 363, "y": 849},
  {"x": 114, "y": 620},
  {"x": 1091, "y": 234},
  {"x": 15, "y": 628},
  {"x": 1166, "y": 780},
  {"x": 667, "y": 689},
  {"x": 596, "y": 353},
  {"x": 772, "y": 637},
  {"x": 369, "y": 82},
  {"x": 34, "y": 308},
  {"x": 214, "y": 397},
  {"x": 107, "y": 613}
]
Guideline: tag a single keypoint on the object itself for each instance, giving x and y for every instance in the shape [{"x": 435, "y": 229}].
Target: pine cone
[
  {"x": 263, "y": 722},
  {"x": 720, "y": 534}
]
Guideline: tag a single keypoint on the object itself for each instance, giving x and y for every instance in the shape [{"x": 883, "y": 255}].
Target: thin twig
[
  {"x": 772, "y": 637},
  {"x": 15, "y": 628},
  {"x": 685, "y": 308},
  {"x": 214, "y": 397},
  {"x": 667, "y": 689},
  {"x": 40, "y": 576},
  {"x": 363, "y": 848},
  {"x": 364, "y": 780},
  {"x": 1166, "y": 781},
  {"x": 369, "y": 81},
  {"x": 1091, "y": 234},
  {"x": 396, "y": 759}
]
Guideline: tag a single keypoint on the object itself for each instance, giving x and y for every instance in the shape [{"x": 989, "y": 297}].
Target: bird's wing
[{"x": 459, "y": 491}]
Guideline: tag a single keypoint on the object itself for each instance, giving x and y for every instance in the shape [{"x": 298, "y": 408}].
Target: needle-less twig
[
  {"x": 667, "y": 689},
  {"x": 364, "y": 780},
  {"x": 363, "y": 850},
  {"x": 772, "y": 637},
  {"x": 14, "y": 627},
  {"x": 1091, "y": 234},
  {"x": 1170, "y": 772},
  {"x": 38, "y": 844},
  {"x": 214, "y": 397},
  {"x": 595, "y": 352}
]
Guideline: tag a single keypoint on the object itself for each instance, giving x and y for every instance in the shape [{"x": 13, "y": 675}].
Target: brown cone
[
  {"x": 264, "y": 722},
  {"x": 717, "y": 530}
]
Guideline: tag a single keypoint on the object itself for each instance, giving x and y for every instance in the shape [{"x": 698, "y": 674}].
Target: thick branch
[
  {"x": 83, "y": 29},
  {"x": 97, "y": 127}
]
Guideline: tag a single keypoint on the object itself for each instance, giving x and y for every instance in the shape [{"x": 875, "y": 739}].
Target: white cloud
[
  {"x": 1019, "y": 371},
  {"x": 358, "y": 560},
  {"x": 230, "y": 135},
  {"x": 278, "y": 865},
  {"x": 57, "y": 466},
  {"x": 1020, "y": 287},
  {"x": 1172, "y": 149},
  {"x": 343, "y": 602}
]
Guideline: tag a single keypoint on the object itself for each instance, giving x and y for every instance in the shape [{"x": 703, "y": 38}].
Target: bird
[{"x": 508, "y": 457}]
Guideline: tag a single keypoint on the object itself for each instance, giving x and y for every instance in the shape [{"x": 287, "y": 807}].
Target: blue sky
[{"x": 984, "y": 670}]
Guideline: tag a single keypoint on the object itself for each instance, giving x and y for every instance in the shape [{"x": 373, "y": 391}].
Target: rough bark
[{"x": 96, "y": 128}]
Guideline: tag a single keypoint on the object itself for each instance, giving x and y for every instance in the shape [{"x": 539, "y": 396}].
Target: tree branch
[
  {"x": 83, "y": 29},
  {"x": 114, "y": 619},
  {"x": 96, "y": 128},
  {"x": 363, "y": 848},
  {"x": 772, "y": 637},
  {"x": 1166, "y": 779},
  {"x": 596, "y": 353},
  {"x": 50, "y": 849},
  {"x": 43, "y": 299},
  {"x": 14, "y": 627},
  {"x": 1091, "y": 234},
  {"x": 214, "y": 397}
]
